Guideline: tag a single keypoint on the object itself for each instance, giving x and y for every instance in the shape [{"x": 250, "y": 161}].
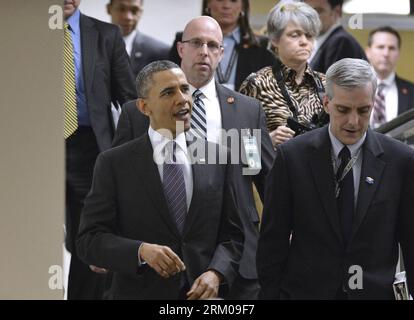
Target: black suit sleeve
[
  {"x": 273, "y": 246},
  {"x": 97, "y": 242},
  {"x": 343, "y": 47},
  {"x": 122, "y": 78},
  {"x": 267, "y": 153},
  {"x": 230, "y": 237},
  {"x": 406, "y": 225}
]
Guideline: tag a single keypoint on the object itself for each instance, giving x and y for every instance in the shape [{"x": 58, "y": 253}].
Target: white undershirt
[{"x": 129, "y": 41}]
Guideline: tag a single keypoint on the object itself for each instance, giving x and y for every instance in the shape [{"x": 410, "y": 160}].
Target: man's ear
[
  {"x": 108, "y": 9},
  {"x": 143, "y": 107},
  {"x": 180, "y": 46},
  {"x": 325, "y": 103}
]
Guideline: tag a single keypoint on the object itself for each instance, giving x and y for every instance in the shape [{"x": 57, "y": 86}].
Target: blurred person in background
[{"x": 394, "y": 95}]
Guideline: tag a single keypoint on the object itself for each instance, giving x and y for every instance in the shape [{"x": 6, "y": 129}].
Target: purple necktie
[
  {"x": 174, "y": 186},
  {"x": 379, "y": 106}
]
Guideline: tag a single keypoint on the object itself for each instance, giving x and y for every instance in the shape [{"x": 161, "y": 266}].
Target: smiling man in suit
[
  {"x": 161, "y": 220},
  {"x": 338, "y": 199},
  {"x": 201, "y": 51},
  {"x": 141, "y": 48},
  {"x": 97, "y": 73}
]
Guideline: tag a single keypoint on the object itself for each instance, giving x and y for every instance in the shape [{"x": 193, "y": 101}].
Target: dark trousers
[{"x": 81, "y": 153}]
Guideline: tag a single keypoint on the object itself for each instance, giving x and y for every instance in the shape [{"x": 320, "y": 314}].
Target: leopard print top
[{"x": 263, "y": 86}]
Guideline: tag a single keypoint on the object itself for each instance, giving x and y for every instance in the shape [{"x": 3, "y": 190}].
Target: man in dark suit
[
  {"x": 142, "y": 49},
  {"x": 177, "y": 234},
  {"x": 338, "y": 202},
  {"x": 334, "y": 42},
  {"x": 101, "y": 74},
  {"x": 225, "y": 109},
  {"x": 383, "y": 51}
]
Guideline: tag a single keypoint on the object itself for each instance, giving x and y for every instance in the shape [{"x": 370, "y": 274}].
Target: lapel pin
[
  {"x": 404, "y": 91},
  {"x": 369, "y": 180},
  {"x": 230, "y": 100},
  {"x": 138, "y": 54}
]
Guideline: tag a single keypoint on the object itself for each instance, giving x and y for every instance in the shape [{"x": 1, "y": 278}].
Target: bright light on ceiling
[{"x": 377, "y": 6}]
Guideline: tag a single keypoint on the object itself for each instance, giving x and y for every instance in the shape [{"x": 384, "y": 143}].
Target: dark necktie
[
  {"x": 71, "y": 116},
  {"x": 379, "y": 106},
  {"x": 198, "y": 116},
  {"x": 174, "y": 186},
  {"x": 345, "y": 200}
]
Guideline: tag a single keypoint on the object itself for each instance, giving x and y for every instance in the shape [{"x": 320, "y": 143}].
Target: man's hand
[
  {"x": 205, "y": 286},
  {"x": 281, "y": 134},
  {"x": 97, "y": 269},
  {"x": 162, "y": 259}
]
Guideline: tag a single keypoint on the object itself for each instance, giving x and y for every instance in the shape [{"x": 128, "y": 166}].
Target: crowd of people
[{"x": 162, "y": 203}]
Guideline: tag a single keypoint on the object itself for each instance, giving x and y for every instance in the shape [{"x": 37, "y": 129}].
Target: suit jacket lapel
[
  {"x": 402, "y": 96},
  {"x": 89, "y": 42},
  {"x": 228, "y": 110},
  {"x": 323, "y": 176},
  {"x": 372, "y": 167},
  {"x": 149, "y": 173}
]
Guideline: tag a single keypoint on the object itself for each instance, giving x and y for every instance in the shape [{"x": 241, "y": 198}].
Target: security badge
[{"x": 251, "y": 151}]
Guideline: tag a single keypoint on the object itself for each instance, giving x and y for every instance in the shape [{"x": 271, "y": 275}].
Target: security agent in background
[
  {"x": 97, "y": 72},
  {"x": 225, "y": 109},
  {"x": 178, "y": 234},
  {"x": 141, "y": 48},
  {"x": 394, "y": 95},
  {"x": 338, "y": 199}
]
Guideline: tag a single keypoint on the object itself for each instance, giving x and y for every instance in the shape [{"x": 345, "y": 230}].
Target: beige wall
[{"x": 32, "y": 163}]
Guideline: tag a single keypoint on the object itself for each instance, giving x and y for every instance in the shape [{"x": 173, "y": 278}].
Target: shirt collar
[
  {"x": 74, "y": 22},
  {"x": 338, "y": 145},
  {"x": 209, "y": 90},
  {"x": 235, "y": 35},
  {"x": 159, "y": 142},
  {"x": 388, "y": 81},
  {"x": 130, "y": 37}
]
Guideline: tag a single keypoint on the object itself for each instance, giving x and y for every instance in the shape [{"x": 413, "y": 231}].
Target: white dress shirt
[
  {"x": 353, "y": 148},
  {"x": 390, "y": 93},
  {"x": 213, "y": 111}
]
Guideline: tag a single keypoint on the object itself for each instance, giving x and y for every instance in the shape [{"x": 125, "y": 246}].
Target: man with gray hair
[{"x": 338, "y": 202}]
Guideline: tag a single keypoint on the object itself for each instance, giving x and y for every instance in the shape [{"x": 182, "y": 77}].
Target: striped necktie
[
  {"x": 174, "y": 186},
  {"x": 71, "y": 116},
  {"x": 379, "y": 106},
  {"x": 198, "y": 116}
]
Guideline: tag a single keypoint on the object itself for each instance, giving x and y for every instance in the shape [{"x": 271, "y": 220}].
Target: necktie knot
[
  {"x": 197, "y": 95},
  {"x": 66, "y": 26},
  {"x": 345, "y": 154},
  {"x": 170, "y": 152}
]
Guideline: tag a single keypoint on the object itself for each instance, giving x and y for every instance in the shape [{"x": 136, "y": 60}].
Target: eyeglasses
[{"x": 212, "y": 46}]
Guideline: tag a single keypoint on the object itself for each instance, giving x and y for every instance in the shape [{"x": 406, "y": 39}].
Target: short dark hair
[
  {"x": 387, "y": 29},
  {"x": 334, "y": 3},
  {"x": 144, "y": 78}
]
